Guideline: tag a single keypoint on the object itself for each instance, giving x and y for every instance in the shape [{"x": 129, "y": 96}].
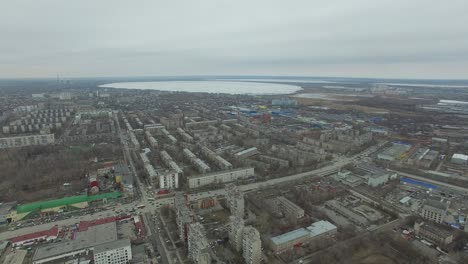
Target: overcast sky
[{"x": 352, "y": 38}]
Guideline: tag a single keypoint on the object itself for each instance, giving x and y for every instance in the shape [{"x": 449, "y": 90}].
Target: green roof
[{"x": 65, "y": 201}]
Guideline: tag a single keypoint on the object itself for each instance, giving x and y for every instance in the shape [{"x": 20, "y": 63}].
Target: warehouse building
[
  {"x": 437, "y": 234},
  {"x": 459, "y": 159},
  {"x": 321, "y": 229},
  {"x": 339, "y": 208},
  {"x": 302, "y": 236},
  {"x": 423, "y": 157},
  {"x": 100, "y": 239},
  {"x": 28, "y": 239},
  {"x": 376, "y": 176},
  {"x": 288, "y": 240}
]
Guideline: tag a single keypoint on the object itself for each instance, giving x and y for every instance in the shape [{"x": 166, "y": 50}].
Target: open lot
[{"x": 36, "y": 173}]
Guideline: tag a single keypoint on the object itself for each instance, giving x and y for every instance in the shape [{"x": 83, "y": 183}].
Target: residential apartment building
[
  {"x": 251, "y": 246},
  {"x": 283, "y": 207},
  {"x": 183, "y": 215},
  {"x": 198, "y": 247},
  {"x": 235, "y": 200},
  {"x": 29, "y": 140},
  {"x": 236, "y": 226},
  {"x": 169, "y": 180},
  {"x": 220, "y": 177}
]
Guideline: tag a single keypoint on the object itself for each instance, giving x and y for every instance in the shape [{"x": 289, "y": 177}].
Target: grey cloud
[{"x": 385, "y": 38}]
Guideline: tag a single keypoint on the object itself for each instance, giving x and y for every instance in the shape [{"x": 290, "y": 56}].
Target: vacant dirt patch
[{"x": 375, "y": 258}]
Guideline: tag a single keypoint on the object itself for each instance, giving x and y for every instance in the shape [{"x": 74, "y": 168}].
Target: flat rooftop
[
  {"x": 436, "y": 204},
  {"x": 125, "y": 242},
  {"x": 289, "y": 236},
  {"x": 320, "y": 227},
  {"x": 53, "y": 232},
  {"x": 93, "y": 236}
]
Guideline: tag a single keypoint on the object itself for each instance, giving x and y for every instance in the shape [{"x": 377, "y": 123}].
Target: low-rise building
[
  {"x": 321, "y": 229},
  {"x": 434, "y": 233},
  {"x": 29, "y": 239},
  {"x": 423, "y": 157},
  {"x": 376, "y": 176},
  {"x": 29, "y": 140},
  {"x": 288, "y": 240},
  {"x": 220, "y": 177},
  {"x": 301, "y": 236},
  {"x": 246, "y": 153},
  {"x": 100, "y": 236},
  {"x": 376, "y": 180},
  {"x": 282, "y": 206},
  {"x": 459, "y": 159},
  {"x": 352, "y": 216}
]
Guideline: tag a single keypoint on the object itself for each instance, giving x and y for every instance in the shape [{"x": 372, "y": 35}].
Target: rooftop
[
  {"x": 371, "y": 168},
  {"x": 93, "y": 236},
  {"x": 125, "y": 242},
  {"x": 46, "y": 233},
  {"x": 436, "y": 204},
  {"x": 460, "y": 156},
  {"x": 84, "y": 225},
  {"x": 292, "y": 235},
  {"x": 436, "y": 229},
  {"x": 320, "y": 227}
]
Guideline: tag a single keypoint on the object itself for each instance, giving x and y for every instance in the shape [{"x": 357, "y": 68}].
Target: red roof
[
  {"x": 37, "y": 235},
  {"x": 84, "y": 225},
  {"x": 139, "y": 226}
]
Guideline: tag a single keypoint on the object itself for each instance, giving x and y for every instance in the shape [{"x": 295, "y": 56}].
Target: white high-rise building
[
  {"x": 236, "y": 226},
  {"x": 235, "y": 200},
  {"x": 251, "y": 245},
  {"x": 199, "y": 250}
]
